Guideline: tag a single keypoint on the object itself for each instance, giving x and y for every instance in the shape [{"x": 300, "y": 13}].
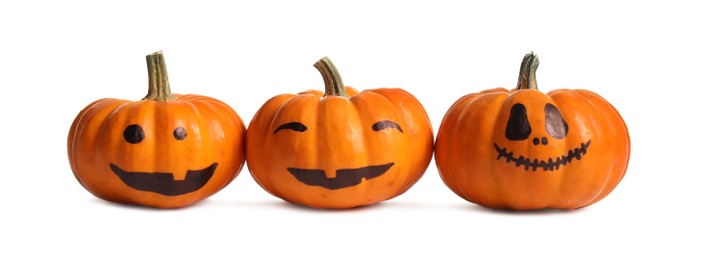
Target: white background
[{"x": 56, "y": 57}]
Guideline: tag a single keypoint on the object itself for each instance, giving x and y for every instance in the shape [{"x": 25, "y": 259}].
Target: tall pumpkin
[
  {"x": 341, "y": 148},
  {"x": 523, "y": 149},
  {"x": 165, "y": 150}
]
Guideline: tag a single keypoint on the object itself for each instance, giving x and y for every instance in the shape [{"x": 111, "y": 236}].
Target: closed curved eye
[
  {"x": 380, "y": 125},
  {"x": 295, "y": 126}
]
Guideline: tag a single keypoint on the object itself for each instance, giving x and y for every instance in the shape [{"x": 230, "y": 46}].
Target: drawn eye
[
  {"x": 295, "y": 126},
  {"x": 380, "y": 125},
  {"x": 518, "y": 127},
  {"x": 133, "y": 134},
  {"x": 555, "y": 125},
  {"x": 179, "y": 133}
]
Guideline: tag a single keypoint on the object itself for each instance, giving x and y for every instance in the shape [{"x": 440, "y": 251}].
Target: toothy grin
[
  {"x": 550, "y": 165},
  {"x": 344, "y": 177},
  {"x": 163, "y": 182}
]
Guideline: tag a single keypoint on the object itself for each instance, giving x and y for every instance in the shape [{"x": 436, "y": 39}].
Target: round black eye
[
  {"x": 180, "y": 133},
  {"x": 133, "y": 134}
]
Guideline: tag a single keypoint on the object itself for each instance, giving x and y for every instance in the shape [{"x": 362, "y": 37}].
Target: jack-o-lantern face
[
  {"x": 161, "y": 182},
  {"x": 554, "y": 128},
  {"x": 166, "y": 150},
  {"x": 524, "y": 149},
  {"x": 344, "y": 177},
  {"x": 341, "y": 148}
]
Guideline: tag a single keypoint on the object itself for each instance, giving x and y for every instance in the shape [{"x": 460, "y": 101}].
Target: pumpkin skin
[
  {"x": 164, "y": 151},
  {"x": 341, "y": 148},
  {"x": 522, "y": 149}
]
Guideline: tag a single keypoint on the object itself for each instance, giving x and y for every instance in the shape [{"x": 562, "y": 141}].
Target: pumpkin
[
  {"x": 341, "y": 148},
  {"x": 523, "y": 149},
  {"x": 164, "y": 151}
]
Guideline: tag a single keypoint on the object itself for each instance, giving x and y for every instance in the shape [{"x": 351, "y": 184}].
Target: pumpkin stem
[
  {"x": 527, "y": 72},
  {"x": 159, "y": 88},
  {"x": 333, "y": 86}
]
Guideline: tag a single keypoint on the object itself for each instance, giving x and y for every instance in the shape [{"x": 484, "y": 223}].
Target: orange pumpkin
[
  {"x": 522, "y": 149},
  {"x": 166, "y": 150},
  {"x": 340, "y": 148}
]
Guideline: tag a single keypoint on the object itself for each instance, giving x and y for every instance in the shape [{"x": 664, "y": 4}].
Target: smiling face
[
  {"x": 162, "y": 154},
  {"x": 526, "y": 149},
  {"x": 523, "y": 149},
  {"x": 335, "y": 152},
  {"x": 162, "y": 182},
  {"x": 344, "y": 178},
  {"x": 532, "y": 134},
  {"x": 554, "y": 129},
  {"x": 165, "y": 150}
]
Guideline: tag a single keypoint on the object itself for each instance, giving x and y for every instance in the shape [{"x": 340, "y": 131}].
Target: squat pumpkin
[
  {"x": 339, "y": 149},
  {"x": 522, "y": 149},
  {"x": 165, "y": 151}
]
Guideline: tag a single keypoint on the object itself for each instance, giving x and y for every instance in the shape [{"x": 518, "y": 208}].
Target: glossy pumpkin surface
[
  {"x": 523, "y": 149},
  {"x": 341, "y": 148},
  {"x": 165, "y": 151}
]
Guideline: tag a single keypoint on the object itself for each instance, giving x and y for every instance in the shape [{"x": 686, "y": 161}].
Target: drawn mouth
[
  {"x": 344, "y": 177},
  {"x": 163, "y": 183},
  {"x": 535, "y": 163}
]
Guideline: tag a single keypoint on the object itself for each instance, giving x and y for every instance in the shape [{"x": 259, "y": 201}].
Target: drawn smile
[
  {"x": 344, "y": 177},
  {"x": 163, "y": 183},
  {"x": 547, "y": 165}
]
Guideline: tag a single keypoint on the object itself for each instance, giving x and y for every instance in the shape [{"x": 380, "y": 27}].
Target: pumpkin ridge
[
  {"x": 402, "y": 101},
  {"x": 86, "y": 117},
  {"x": 598, "y": 104},
  {"x": 463, "y": 110}
]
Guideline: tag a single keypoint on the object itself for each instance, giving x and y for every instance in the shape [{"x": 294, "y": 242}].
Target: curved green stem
[
  {"x": 159, "y": 88},
  {"x": 333, "y": 86},
  {"x": 527, "y": 72}
]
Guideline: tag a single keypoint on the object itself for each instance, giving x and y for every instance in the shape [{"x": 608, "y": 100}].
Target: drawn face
[
  {"x": 161, "y": 182},
  {"x": 347, "y": 177},
  {"x": 552, "y": 128}
]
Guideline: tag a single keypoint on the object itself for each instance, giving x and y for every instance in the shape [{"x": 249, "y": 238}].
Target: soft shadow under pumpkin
[
  {"x": 475, "y": 208},
  {"x": 202, "y": 203}
]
